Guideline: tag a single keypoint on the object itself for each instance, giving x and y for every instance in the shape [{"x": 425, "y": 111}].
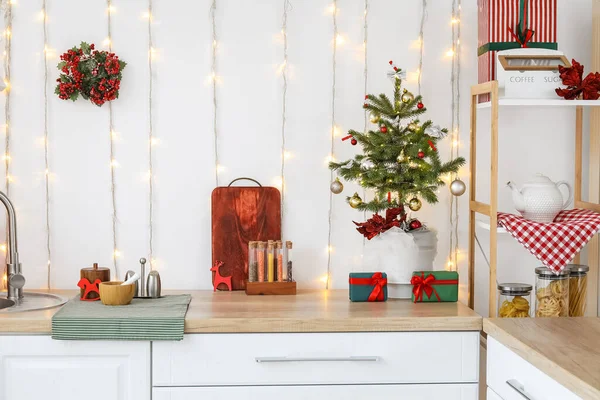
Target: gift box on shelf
[
  {"x": 434, "y": 286},
  {"x": 368, "y": 286},
  {"x": 512, "y": 24}
]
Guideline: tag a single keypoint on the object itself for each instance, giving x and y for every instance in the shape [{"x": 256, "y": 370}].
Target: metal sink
[
  {"x": 4, "y": 303},
  {"x": 31, "y": 301}
]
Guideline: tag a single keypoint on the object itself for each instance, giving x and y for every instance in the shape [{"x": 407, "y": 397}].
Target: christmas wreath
[{"x": 95, "y": 74}]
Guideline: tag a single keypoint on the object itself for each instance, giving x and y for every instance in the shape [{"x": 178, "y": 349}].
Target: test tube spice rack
[{"x": 270, "y": 268}]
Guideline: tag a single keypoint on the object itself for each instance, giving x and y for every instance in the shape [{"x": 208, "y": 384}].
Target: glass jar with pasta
[
  {"x": 514, "y": 300},
  {"x": 551, "y": 293},
  {"x": 577, "y": 289}
]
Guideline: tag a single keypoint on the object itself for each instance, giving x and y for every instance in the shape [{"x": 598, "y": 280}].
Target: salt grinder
[
  {"x": 153, "y": 285},
  {"x": 142, "y": 287}
]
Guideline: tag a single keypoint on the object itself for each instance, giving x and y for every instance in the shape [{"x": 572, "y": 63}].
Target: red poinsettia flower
[
  {"x": 377, "y": 224},
  {"x": 578, "y": 88}
]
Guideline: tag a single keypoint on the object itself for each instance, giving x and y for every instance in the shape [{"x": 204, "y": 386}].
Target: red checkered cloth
[{"x": 555, "y": 244}]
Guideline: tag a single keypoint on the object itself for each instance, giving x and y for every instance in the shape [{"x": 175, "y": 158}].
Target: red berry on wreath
[
  {"x": 383, "y": 129},
  {"x": 421, "y": 154},
  {"x": 353, "y": 142},
  {"x": 420, "y": 105},
  {"x": 415, "y": 224}
]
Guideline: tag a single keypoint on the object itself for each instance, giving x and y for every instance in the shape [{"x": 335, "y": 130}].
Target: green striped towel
[{"x": 142, "y": 319}]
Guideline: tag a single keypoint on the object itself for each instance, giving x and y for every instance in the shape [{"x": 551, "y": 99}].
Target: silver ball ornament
[
  {"x": 336, "y": 186},
  {"x": 457, "y": 187}
]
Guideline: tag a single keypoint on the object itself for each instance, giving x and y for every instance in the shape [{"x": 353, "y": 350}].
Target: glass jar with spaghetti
[
  {"x": 551, "y": 293},
  {"x": 577, "y": 289},
  {"x": 514, "y": 300}
]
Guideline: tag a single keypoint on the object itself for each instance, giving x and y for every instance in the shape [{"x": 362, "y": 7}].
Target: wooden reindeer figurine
[{"x": 218, "y": 279}]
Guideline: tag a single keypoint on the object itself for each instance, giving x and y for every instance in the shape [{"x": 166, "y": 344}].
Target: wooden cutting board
[{"x": 241, "y": 214}]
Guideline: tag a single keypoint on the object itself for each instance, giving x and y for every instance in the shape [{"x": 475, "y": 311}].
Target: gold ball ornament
[
  {"x": 375, "y": 118},
  {"x": 401, "y": 158},
  {"x": 336, "y": 186},
  {"x": 457, "y": 187},
  {"x": 415, "y": 204},
  {"x": 407, "y": 96},
  {"x": 413, "y": 126},
  {"x": 355, "y": 201}
]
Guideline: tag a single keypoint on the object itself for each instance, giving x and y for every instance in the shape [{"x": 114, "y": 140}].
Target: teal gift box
[
  {"x": 368, "y": 286},
  {"x": 434, "y": 286}
]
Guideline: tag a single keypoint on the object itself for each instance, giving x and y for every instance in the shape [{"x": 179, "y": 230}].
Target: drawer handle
[
  {"x": 316, "y": 359},
  {"x": 515, "y": 384}
]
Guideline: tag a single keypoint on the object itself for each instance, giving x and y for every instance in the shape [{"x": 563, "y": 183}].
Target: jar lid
[
  {"x": 515, "y": 287},
  {"x": 545, "y": 271},
  {"x": 578, "y": 268}
]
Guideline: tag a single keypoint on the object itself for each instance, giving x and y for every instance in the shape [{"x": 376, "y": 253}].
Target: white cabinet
[
  {"x": 513, "y": 378},
  {"x": 491, "y": 395},
  {"x": 37, "y": 367},
  {"x": 337, "y": 392},
  {"x": 317, "y": 358}
]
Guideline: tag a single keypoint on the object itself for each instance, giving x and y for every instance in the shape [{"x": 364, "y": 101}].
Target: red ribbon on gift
[
  {"x": 421, "y": 285},
  {"x": 377, "y": 281},
  {"x": 524, "y": 34}
]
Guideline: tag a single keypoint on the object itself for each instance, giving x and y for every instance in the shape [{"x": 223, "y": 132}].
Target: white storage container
[{"x": 529, "y": 73}]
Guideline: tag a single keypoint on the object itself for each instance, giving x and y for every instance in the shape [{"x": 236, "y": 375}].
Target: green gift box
[
  {"x": 434, "y": 286},
  {"x": 368, "y": 286}
]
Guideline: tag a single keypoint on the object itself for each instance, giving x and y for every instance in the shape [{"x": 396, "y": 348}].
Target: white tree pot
[{"x": 399, "y": 254}]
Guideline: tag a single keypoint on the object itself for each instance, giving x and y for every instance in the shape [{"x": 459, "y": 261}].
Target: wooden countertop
[
  {"x": 308, "y": 311},
  {"x": 566, "y": 349}
]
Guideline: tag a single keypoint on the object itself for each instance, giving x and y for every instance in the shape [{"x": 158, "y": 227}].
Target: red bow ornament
[
  {"x": 421, "y": 285},
  {"x": 377, "y": 224},
  {"x": 577, "y": 86},
  {"x": 377, "y": 281}
]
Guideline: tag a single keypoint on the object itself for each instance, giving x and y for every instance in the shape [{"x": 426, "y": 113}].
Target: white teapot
[{"x": 540, "y": 200}]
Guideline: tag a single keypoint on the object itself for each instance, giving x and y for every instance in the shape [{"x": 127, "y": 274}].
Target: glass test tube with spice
[
  {"x": 271, "y": 261},
  {"x": 290, "y": 276},
  {"x": 260, "y": 260},
  {"x": 252, "y": 262},
  {"x": 577, "y": 289},
  {"x": 279, "y": 256}
]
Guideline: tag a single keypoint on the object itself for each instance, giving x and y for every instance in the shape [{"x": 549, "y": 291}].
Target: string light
[
  {"x": 454, "y": 149},
  {"x": 213, "y": 11},
  {"x": 365, "y": 79},
  {"x": 152, "y": 141},
  {"x": 450, "y": 53},
  {"x": 113, "y": 162},
  {"x": 286, "y": 8},
  {"x": 334, "y": 10},
  {"x": 421, "y": 35}
]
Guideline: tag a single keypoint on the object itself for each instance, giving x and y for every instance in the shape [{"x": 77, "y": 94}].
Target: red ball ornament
[
  {"x": 365, "y": 105},
  {"x": 420, "y": 105},
  {"x": 415, "y": 224},
  {"x": 391, "y": 62},
  {"x": 396, "y": 69},
  {"x": 421, "y": 154},
  {"x": 353, "y": 142},
  {"x": 366, "y": 97},
  {"x": 383, "y": 129}
]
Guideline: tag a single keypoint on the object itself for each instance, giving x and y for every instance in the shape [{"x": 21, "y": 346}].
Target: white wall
[{"x": 249, "y": 121}]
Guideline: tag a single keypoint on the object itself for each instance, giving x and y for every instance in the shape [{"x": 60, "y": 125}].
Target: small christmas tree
[{"x": 400, "y": 160}]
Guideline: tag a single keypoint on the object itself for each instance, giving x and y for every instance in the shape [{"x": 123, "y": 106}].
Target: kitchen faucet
[{"x": 15, "y": 280}]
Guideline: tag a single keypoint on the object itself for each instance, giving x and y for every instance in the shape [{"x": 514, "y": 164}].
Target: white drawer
[
  {"x": 491, "y": 395},
  {"x": 317, "y": 358},
  {"x": 351, "y": 392},
  {"x": 504, "y": 368}
]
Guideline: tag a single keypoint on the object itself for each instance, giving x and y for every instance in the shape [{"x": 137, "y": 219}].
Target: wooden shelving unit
[{"x": 491, "y": 209}]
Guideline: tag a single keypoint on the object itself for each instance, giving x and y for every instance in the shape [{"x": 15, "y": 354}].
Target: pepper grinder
[{"x": 142, "y": 286}]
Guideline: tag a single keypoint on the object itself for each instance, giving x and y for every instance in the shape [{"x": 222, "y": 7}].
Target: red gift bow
[
  {"x": 524, "y": 34},
  {"x": 377, "y": 280},
  {"x": 425, "y": 285}
]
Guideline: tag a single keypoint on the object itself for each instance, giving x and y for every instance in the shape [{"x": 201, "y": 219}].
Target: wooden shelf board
[
  {"x": 486, "y": 225},
  {"x": 542, "y": 103}
]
